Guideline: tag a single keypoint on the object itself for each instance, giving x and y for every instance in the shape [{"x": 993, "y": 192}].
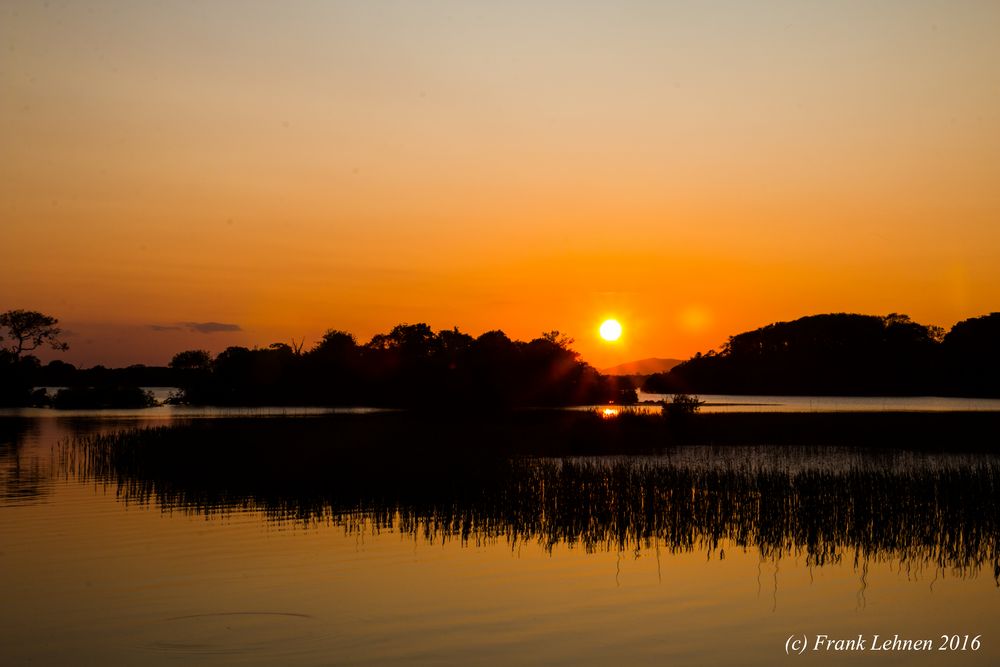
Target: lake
[
  {"x": 347, "y": 539},
  {"x": 745, "y": 403},
  {"x": 713, "y": 403}
]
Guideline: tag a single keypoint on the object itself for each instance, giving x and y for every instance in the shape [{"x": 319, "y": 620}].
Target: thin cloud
[
  {"x": 197, "y": 327},
  {"x": 211, "y": 327}
]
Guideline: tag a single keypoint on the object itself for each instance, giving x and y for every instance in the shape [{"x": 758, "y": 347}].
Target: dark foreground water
[{"x": 304, "y": 541}]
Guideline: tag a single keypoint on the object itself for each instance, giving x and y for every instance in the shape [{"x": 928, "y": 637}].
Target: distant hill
[
  {"x": 642, "y": 367},
  {"x": 847, "y": 354}
]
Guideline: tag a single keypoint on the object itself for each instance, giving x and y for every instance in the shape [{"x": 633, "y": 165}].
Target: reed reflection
[
  {"x": 21, "y": 478},
  {"x": 917, "y": 509}
]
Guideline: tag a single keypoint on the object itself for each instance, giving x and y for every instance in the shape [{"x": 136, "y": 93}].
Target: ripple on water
[{"x": 270, "y": 633}]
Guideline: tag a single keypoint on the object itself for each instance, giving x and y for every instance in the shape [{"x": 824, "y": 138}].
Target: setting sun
[{"x": 611, "y": 330}]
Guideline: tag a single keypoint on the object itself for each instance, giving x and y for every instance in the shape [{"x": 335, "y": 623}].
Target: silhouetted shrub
[{"x": 681, "y": 406}]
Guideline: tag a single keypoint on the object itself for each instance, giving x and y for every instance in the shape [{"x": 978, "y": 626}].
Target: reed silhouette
[{"x": 919, "y": 509}]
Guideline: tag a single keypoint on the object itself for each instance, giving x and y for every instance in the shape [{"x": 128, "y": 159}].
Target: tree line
[
  {"x": 847, "y": 354},
  {"x": 412, "y": 365}
]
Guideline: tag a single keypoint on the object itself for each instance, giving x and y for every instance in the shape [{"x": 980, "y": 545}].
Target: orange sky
[{"x": 694, "y": 170}]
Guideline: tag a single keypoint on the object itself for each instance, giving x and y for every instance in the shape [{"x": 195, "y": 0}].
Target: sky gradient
[{"x": 693, "y": 169}]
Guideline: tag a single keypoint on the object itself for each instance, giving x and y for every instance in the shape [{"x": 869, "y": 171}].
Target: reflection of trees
[
  {"x": 21, "y": 478},
  {"x": 912, "y": 510}
]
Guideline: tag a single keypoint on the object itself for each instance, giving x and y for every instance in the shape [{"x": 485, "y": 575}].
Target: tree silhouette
[
  {"x": 29, "y": 330},
  {"x": 200, "y": 360},
  {"x": 838, "y": 353},
  {"x": 972, "y": 356}
]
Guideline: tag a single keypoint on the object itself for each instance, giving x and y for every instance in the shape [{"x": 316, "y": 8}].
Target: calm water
[
  {"x": 113, "y": 554},
  {"x": 740, "y": 403},
  {"x": 712, "y": 403}
]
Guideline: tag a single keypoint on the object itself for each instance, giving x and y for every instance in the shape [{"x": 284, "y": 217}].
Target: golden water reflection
[{"x": 202, "y": 543}]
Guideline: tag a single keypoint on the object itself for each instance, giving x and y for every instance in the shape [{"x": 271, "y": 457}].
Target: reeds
[{"x": 483, "y": 484}]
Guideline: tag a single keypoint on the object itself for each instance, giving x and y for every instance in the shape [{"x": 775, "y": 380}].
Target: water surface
[
  {"x": 748, "y": 403},
  {"x": 115, "y": 553}
]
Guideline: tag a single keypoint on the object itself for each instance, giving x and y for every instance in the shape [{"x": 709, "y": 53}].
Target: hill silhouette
[
  {"x": 646, "y": 366},
  {"x": 847, "y": 354}
]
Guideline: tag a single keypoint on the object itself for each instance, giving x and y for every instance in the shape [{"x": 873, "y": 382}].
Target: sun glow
[{"x": 611, "y": 330}]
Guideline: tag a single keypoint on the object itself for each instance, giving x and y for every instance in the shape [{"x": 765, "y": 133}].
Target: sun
[{"x": 611, "y": 330}]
